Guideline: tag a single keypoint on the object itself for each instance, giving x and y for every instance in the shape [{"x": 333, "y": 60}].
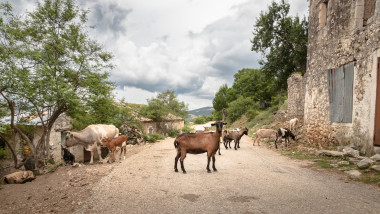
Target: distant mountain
[{"x": 201, "y": 111}]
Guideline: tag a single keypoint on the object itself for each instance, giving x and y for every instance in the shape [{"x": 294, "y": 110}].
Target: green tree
[
  {"x": 239, "y": 107},
  {"x": 255, "y": 84},
  {"x": 165, "y": 103},
  {"x": 283, "y": 42},
  {"x": 50, "y": 65},
  {"x": 222, "y": 99}
]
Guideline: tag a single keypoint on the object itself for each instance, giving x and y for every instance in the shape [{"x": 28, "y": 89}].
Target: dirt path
[{"x": 250, "y": 180}]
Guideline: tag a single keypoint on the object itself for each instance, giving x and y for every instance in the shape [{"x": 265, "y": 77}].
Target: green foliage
[
  {"x": 3, "y": 153},
  {"x": 222, "y": 99},
  {"x": 151, "y": 138},
  {"x": 50, "y": 64},
  {"x": 283, "y": 42},
  {"x": 239, "y": 107},
  {"x": 187, "y": 129},
  {"x": 254, "y": 83},
  {"x": 202, "y": 119},
  {"x": 54, "y": 166},
  {"x": 165, "y": 103},
  {"x": 173, "y": 133}
]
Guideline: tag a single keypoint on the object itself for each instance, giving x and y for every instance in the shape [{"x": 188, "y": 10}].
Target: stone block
[
  {"x": 365, "y": 163},
  {"x": 353, "y": 173}
]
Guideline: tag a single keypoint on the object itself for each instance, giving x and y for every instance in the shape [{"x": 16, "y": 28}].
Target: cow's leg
[
  {"x": 213, "y": 163},
  {"x": 183, "y": 156},
  {"x": 176, "y": 160},
  {"x": 99, "y": 152},
  {"x": 208, "y": 162},
  {"x": 112, "y": 154},
  {"x": 255, "y": 139},
  {"x": 125, "y": 151},
  {"x": 92, "y": 156}
]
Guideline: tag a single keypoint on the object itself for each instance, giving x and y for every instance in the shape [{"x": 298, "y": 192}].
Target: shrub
[
  {"x": 173, "y": 133},
  {"x": 3, "y": 153},
  {"x": 187, "y": 129},
  {"x": 151, "y": 138}
]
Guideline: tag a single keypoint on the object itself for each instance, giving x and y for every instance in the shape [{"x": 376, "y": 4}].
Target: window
[
  {"x": 369, "y": 10},
  {"x": 150, "y": 130},
  {"x": 340, "y": 87},
  {"x": 323, "y": 8}
]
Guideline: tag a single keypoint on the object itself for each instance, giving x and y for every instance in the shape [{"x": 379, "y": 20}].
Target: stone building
[
  {"x": 296, "y": 95},
  {"x": 341, "y": 99},
  {"x": 163, "y": 126}
]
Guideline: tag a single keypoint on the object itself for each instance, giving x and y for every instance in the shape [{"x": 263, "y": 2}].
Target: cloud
[{"x": 191, "y": 47}]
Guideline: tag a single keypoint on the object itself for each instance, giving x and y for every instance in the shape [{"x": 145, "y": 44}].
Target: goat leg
[
  {"x": 208, "y": 163},
  {"x": 213, "y": 163},
  {"x": 182, "y": 167},
  {"x": 176, "y": 161}
]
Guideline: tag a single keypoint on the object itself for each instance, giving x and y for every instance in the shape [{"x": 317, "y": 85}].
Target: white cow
[{"x": 91, "y": 138}]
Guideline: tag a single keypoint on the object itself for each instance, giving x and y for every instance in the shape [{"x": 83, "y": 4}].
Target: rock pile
[
  {"x": 353, "y": 158},
  {"x": 135, "y": 136}
]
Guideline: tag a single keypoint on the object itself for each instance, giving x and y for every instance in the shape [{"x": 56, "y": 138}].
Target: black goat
[
  {"x": 284, "y": 133},
  {"x": 68, "y": 157}
]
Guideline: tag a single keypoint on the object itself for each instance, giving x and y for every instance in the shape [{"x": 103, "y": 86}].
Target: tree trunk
[
  {"x": 224, "y": 115},
  {"x": 279, "y": 101}
]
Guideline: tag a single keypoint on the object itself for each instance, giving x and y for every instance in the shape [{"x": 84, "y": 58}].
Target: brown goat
[
  {"x": 234, "y": 136},
  {"x": 197, "y": 143},
  {"x": 111, "y": 144},
  {"x": 264, "y": 133}
]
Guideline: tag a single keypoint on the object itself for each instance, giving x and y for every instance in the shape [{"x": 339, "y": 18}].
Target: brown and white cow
[{"x": 91, "y": 138}]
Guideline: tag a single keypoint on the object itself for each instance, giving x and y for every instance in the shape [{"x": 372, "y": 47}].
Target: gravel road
[{"x": 251, "y": 180}]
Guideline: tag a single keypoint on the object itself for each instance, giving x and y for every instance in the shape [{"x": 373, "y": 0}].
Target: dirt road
[{"x": 250, "y": 180}]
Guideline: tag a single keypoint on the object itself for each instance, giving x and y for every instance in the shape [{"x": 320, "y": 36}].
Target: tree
[
  {"x": 50, "y": 65},
  {"x": 282, "y": 40},
  {"x": 255, "y": 84},
  {"x": 222, "y": 99},
  {"x": 165, "y": 103}
]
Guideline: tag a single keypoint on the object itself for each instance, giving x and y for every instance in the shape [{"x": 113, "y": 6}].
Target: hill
[{"x": 200, "y": 111}]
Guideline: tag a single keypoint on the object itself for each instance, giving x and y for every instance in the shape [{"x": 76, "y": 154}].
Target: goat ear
[
  {"x": 212, "y": 124},
  {"x": 224, "y": 123}
]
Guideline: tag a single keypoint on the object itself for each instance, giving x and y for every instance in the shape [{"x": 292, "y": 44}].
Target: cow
[
  {"x": 111, "y": 144},
  {"x": 91, "y": 138}
]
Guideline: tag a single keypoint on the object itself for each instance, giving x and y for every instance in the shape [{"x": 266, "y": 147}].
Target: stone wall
[
  {"x": 343, "y": 39},
  {"x": 296, "y": 95}
]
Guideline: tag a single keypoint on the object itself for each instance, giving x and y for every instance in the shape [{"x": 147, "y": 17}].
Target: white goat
[{"x": 293, "y": 123}]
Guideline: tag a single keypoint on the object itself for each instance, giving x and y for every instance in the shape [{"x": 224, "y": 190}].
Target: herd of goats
[
  {"x": 206, "y": 141},
  {"x": 96, "y": 136}
]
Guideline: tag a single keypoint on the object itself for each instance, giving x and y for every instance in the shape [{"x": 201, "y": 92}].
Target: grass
[{"x": 54, "y": 166}]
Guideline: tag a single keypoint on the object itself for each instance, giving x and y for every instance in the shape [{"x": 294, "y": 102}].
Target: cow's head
[
  {"x": 105, "y": 141},
  {"x": 219, "y": 125},
  {"x": 69, "y": 140}
]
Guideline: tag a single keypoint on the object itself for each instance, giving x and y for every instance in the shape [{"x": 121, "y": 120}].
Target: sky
[{"x": 190, "y": 46}]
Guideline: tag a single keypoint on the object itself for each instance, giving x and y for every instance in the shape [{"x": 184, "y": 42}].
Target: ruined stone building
[{"x": 342, "y": 90}]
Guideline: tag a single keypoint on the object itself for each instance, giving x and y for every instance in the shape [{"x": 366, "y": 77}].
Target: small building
[
  {"x": 57, "y": 134},
  {"x": 342, "y": 89},
  {"x": 162, "y": 126}
]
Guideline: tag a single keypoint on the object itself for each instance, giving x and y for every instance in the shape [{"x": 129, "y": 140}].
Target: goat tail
[{"x": 176, "y": 144}]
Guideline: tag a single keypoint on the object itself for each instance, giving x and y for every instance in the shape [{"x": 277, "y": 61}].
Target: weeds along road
[{"x": 250, "y": 180}]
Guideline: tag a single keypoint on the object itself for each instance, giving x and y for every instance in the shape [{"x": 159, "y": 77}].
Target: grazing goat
[
  {"x": 284, "y": 133},
  {"x": 68, "y": 157},
  {"x": 235, "y": 136},
  {"x": 293, "y": 123},
  {"x": 111, "y": 144},
  {"x": 264, "y": 133},
  {"x": 197, "y": 143}
]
